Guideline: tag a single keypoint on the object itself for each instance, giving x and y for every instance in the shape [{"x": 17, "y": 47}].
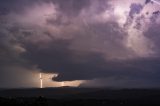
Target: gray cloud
[
  {"x": 135, "y": 9},
  {"x": 79, "y": 40}
]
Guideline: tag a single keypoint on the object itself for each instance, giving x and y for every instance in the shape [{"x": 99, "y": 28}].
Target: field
[{"x": 79, "y": 96}]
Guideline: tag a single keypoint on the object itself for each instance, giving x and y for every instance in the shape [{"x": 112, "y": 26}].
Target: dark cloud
[
  {"x": 58, "y": 58},
  {"x": 71, "y": 7},
  {"x": 12, "y": 66},
  {"x": 153, "y": 34},
  {"x": 79, "y": 40},
  {"x": 135, "y": 9},
  {"x": 7, "y": 6},
  {"x": 140, "y": 75},
  {"x": 147, "y": 1},
  {"x": 83, "y": 57}
]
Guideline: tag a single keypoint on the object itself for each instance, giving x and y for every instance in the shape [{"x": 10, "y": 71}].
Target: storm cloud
[{"x": 94, "y": 40}]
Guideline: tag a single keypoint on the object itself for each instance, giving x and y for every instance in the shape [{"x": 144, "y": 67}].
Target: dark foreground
[{"x": 79, "y": 97}]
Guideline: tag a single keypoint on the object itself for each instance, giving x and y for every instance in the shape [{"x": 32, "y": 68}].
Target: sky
[{"x": 85, "y": 43}]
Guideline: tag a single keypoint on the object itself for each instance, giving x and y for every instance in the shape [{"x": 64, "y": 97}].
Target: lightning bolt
[{"x": 41, "y": 80}]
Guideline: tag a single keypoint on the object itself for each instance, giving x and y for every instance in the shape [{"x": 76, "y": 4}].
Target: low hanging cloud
[{"x": 82, "y": 40}]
